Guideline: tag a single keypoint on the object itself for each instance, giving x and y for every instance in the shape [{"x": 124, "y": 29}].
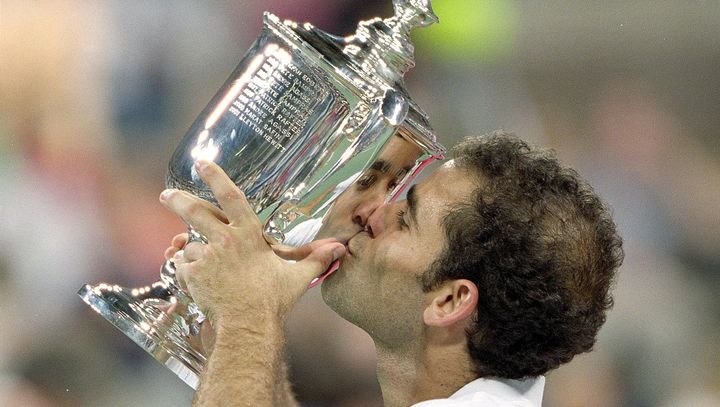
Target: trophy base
[{"x": 149, "y": 316}]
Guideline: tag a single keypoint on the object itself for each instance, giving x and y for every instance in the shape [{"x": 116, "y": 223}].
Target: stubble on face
[
  {"x": 377, "y": 286},
  {"x": 374, "y": 295}
]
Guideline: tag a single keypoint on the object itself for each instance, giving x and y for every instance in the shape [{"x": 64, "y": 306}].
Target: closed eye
[{"x": 366, "y": 181}]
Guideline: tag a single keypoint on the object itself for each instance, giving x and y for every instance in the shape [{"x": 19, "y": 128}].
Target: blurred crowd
[{"x": 94, "y": 96}]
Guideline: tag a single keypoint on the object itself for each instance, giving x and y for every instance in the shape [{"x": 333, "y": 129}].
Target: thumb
[
  {"x": 298, "y": 253},
  {"x": 289, "y": 252},
  {"x": 321, "y": 257}
]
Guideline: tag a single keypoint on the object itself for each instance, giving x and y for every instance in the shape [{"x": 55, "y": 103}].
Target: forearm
[
  {"x": 284, "y": 395},
  {"x": 245, "y": 367}
]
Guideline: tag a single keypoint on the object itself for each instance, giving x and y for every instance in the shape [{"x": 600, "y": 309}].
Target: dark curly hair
[{"x": 541, "y": 248}]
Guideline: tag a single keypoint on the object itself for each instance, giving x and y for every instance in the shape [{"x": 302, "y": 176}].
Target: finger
[
  {"x": 178, "y": 242},
  {"x": 298, "y": 253},
  {"x": 170, "y": 252},
  {"x": 179, "y": 257},
  {"x": 182, "y": 271},
  {"x": 194, "y": 251},
  {"x": 199, "y": 214},
  {"x": 229, "y": 196},
  {"x": 319, "y": 260}
]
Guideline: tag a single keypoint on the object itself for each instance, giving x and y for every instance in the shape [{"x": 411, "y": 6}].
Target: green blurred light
[{"x": 470, "y": 30}]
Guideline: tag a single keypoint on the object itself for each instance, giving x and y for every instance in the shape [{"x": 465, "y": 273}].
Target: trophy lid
[
  {"x": 380, "y": 48},
  {"x": 383, "y": 47},
  {"x": 374, "y": 58}
]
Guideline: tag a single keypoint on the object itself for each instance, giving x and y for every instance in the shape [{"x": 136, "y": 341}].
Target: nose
[
  {"x": 366, "y": 207},
  {"x": 377, "y": 221}
]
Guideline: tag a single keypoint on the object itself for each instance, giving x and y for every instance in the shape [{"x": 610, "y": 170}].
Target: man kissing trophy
[{"x": 300, "y": 117}]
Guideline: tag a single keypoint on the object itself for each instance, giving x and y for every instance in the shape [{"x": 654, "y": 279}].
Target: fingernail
[
  {"x": 201, "y": 165},
  {"x": 165, "y": 194},
  {"x": 338, "y": 252},
  {"x": 178, "y": 255}
]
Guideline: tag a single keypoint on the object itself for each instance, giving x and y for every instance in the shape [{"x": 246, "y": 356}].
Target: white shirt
[{"x": 494, "y": 392}]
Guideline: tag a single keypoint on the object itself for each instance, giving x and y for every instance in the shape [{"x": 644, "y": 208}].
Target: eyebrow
[
  {"x": 412, "y": 204},
  {"x": 384, "y": 167},
  {"x": 380, "y": 165}
]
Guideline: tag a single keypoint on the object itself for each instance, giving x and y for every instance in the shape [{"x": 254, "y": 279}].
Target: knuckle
[
  {"x": 225, "y": 239},
  {"x": 233, "y": 194},
  {"x": 192, "y": 251}
]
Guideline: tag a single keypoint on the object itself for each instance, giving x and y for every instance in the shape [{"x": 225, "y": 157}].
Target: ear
[{"x": 454, "y": 301}]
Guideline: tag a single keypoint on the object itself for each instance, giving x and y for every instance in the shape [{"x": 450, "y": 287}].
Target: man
[{"x": 494, "y": 270}]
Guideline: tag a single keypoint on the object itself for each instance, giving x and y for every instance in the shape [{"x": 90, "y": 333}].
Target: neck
[{"x": 418, "y": 372}]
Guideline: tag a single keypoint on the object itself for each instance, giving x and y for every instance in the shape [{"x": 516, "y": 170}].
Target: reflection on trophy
[{"x": 301, "y": 126}]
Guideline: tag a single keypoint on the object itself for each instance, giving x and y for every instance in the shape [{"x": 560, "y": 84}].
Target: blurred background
[{"x": 96, "y": 94}]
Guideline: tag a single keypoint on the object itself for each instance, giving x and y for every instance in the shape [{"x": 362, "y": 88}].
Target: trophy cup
[{"x": 302, "y": 114}]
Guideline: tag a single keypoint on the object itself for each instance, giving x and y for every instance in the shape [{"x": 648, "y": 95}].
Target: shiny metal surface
[{"x": 303, "y": 113}]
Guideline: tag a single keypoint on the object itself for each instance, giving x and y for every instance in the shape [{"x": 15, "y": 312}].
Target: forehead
[
  {"x": 399, "y": 152},
  {"x": 446, "y": 187}
]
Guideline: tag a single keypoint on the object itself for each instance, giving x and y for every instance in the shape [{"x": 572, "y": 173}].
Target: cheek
[
  {"x": 397, "y": 265},
  {"x": 342, "y": 206},
  {"x": 401, "y": 297},
  {"x": 337, "y": 222},
  {"x": 408, "y": 256}
]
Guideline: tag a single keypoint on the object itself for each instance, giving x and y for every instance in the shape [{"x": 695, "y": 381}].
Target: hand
[
  {"x": 207, "y": 333},
  {"x": 237, "y": 275}
]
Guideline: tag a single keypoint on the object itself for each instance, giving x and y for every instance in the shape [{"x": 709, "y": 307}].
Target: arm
[
  {"x": 225, "y": 361},
  {"x": 245, "y": 365},
  {"x": 245, "y": 289},
  {"x": 282, "y": 392}
]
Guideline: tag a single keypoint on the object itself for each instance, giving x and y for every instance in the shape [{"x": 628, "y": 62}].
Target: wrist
[
  {"x": 247, "y": 313},
  {"x": 242, "y": 330}
]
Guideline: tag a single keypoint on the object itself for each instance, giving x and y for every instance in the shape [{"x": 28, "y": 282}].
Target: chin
[{"x": 337, "y": 290}]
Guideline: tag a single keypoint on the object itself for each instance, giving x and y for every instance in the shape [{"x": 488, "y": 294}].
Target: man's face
[
  {"x": 351, "y": 210},
  {"x": 377, "y": 286}
]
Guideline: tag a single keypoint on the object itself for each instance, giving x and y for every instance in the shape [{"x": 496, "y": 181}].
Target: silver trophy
[{"x": 302, "y": 116}]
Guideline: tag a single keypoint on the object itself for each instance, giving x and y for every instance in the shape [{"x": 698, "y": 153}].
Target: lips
[{"x": 348, "y": 251}]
